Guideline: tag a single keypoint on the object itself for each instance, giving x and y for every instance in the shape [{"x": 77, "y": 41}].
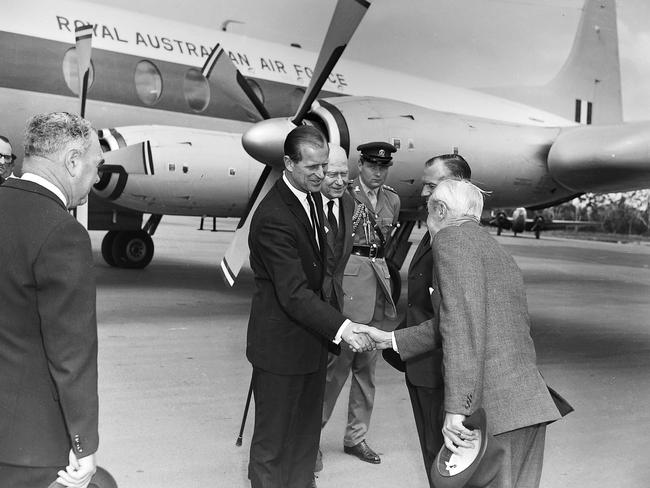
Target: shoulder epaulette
[{"x": 389, "y": 188}]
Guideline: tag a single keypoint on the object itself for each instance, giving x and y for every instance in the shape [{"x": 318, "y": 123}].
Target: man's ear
[
  {"x": 71, "y": 161},
  {"x": 288, "y": 163},
  {"x": 442, "y": 210}
]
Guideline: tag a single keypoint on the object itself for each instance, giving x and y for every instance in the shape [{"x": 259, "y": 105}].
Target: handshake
[{"x": 360, "y": 337}]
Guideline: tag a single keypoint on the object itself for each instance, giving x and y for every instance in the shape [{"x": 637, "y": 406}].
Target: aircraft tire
[
  {"x": 132, "y": 249},
  {"x": 107, "y": 247},
  {"x": 395, "y": 281}
]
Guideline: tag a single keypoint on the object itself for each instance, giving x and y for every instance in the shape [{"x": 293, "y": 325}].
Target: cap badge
[{"x": 382, "y": 153}]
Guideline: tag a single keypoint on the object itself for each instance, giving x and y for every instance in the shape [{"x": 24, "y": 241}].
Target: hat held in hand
[{"x": 474, "y": 467}]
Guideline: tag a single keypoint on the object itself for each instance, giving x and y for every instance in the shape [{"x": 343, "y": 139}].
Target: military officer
[{"x": 367, "y": 293}]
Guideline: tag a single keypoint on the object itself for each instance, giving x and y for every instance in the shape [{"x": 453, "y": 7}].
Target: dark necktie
[
  {"x": 332, "y": 218},
  {"x": 314, "y": 218}
]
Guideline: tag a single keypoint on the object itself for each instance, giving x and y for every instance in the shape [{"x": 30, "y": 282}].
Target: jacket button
[{"x": 410, "y": 305}]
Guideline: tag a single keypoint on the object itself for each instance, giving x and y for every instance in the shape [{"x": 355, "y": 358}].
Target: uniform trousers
[
  {"x": 27, "y": 476},
  {"x": 362, "y": 390},
  {"x": 428, "y": 412},
  {"x": 523, "y": 458},
  {"x": 286, "y": 436}
]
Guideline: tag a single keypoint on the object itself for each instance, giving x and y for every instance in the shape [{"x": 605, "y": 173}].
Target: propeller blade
[
  {"x": 233, "y": 83},
  {"x": 345, "y": 20},
  {"x": 83, "y": 46},
  {"x": 237, "y": 252}
]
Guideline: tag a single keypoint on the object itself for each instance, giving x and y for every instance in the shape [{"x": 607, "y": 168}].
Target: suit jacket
[
  {"x": 333, "y": 280},
  {"x": 290, "y": 325},
  {"x": 48, "y": 330},
  {"x": 488, "y": 353},
  {"x": 426, "y": 368},
  {"x": 363, "y": 275}
]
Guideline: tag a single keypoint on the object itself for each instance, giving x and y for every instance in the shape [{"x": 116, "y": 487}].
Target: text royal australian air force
[{"x": 157, "y": 38}]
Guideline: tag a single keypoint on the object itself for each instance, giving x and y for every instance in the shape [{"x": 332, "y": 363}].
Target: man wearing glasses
[
  {"x": 7, "y": 159},
  {"x": 367, "y": 293}
]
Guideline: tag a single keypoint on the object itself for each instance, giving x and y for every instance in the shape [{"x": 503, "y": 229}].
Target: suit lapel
[
  {"x": 423, "y": 248},
  {"x": 299, "y": 213}
]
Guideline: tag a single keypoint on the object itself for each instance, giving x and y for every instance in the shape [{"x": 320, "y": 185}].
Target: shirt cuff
[
  {"x": 337, "y": 338},
  {"x": 394, "y": 342}
]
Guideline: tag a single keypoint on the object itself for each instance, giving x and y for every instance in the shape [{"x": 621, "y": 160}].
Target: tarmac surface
[{"x": 174, "y": 377}]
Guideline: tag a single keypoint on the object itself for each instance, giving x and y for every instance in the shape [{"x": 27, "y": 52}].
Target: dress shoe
[
  {"x": 319, "y": 462},
  {"x": 363, "y": 452}
]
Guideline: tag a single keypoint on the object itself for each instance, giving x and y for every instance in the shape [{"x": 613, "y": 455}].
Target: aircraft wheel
[
  {"x": 107, "y": 247},
  {"x": 395, "y": 281},
  {"x": 132, "y": 249}
]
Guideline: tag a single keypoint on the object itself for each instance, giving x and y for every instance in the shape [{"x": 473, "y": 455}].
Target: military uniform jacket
[
  {"x": 290, "y": 325},
  {"x": 488, "y": 354},
  {"x": 48, "y": 330},
  {"x": 362, "y": 274}
]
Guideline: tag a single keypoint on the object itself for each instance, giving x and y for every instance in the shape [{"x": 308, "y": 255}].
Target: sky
[{"x": 470, "y": 43}]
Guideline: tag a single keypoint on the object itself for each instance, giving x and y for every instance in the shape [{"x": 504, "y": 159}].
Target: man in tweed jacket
[{"x": 483, "y": 323}]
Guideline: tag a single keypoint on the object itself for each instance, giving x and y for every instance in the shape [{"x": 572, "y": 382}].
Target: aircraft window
[
  {"x": 196, "y": 90},
  {"x": 71, "y": 71},
  {"x": 257, "y": 89},
  {"x": 148, "y": 82},
  {"x": 296, "y": 98}
]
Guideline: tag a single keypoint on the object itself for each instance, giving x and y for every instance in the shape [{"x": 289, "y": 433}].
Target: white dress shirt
[{"x": 39, "y": 180}]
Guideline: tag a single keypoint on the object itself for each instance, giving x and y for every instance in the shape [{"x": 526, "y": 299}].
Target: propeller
[
  {"x": 265, "y": 140},
  {"x": 83, "y": 46}
]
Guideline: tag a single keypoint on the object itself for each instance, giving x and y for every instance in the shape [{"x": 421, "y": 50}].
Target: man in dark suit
[
  {"x": 290, "y": 324},
  {"x": 424, "y": 372},
  {"x": 483, "y": 323},
  {"x": 338, "y": 207},
  {"x": 48, "y": 329}
]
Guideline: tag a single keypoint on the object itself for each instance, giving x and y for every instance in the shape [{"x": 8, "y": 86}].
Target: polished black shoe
[{"x": 363, "y": 452}]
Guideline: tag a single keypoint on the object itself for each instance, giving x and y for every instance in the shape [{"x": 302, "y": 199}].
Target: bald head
[{"x": 336, "y": 177}]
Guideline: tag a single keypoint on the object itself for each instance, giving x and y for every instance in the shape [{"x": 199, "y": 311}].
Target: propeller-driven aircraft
[
  {"x": 172, "y": 109},
  {"x": 519, "y": 222}
]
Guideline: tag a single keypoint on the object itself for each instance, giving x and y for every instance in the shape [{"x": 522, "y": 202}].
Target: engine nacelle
[
  {"x": 176, "y": 170},
  {"x": 520, "y": 179}
]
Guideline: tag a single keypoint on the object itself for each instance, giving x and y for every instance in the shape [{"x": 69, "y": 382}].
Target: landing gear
[{"x": 131, "y": 249}]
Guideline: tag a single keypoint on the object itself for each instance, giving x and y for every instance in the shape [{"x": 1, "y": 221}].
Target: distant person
[
  {"x": 7, "y": 159},
  {"x": 290, "y": 323},
  {"x": 367, "y": 294},
  {"x": 424, "y": 372},
  {"x": 48, "y": 328},
  {"x": 488, "y": 353}
]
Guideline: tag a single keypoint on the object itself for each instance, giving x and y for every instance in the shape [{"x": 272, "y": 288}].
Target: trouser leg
[
  {"x": 362, "y": 397},
  {"x": 427, "y": 412},
  {"x": 523, "y": 458},
  {"x": 338, "y": 369},
  {"x": 287, "y": 429}
]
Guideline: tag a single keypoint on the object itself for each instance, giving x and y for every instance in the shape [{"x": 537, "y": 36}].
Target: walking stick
[{"x": 243, "y": 420}]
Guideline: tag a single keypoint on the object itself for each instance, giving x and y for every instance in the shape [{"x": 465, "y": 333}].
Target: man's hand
[
  {"x": 78, "y": 472},
  {"x": 381, "y": 338},
  {"x": 356, "y": 339},
  {"x": 456, "y": 434}
]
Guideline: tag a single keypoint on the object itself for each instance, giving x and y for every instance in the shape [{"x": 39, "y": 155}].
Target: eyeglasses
[
  {"x": 8, "y": 157},
  {"x": 335, "y": 175}
]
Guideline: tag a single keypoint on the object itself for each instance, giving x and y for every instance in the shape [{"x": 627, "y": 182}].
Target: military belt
[{"x": 368, "y": 251}]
